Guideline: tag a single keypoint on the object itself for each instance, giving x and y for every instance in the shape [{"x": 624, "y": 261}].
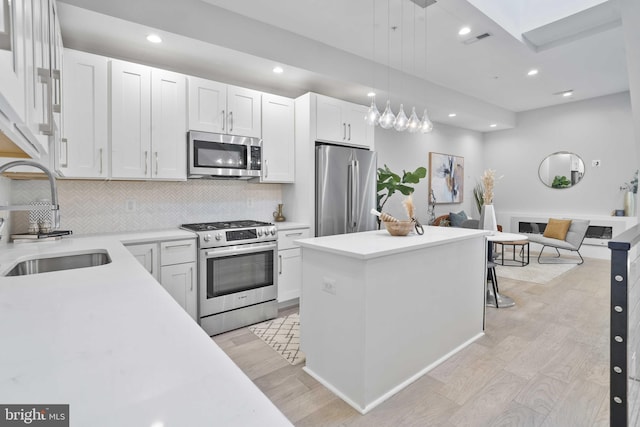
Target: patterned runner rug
[{"x": 282, "y": 335}]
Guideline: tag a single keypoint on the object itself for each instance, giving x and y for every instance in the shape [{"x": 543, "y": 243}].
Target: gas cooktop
[{"x": 224, "y": 225}]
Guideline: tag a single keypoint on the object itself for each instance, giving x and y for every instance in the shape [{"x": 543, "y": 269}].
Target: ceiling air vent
[
  {"x": 424, "y": 3},
  {"x": 474, "y": 39}
]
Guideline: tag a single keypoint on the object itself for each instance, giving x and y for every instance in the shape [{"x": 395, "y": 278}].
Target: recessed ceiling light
[
  {"x": 452, "y": 114},
  {"x": 464, "y": 31},
  {"x": 492, "y": 125},
  {"x": 278, "y": 70},
  {"x": 371, "y": 94},
  {"x": 567, "y": 93},
  {"x": 532, "y": 72},
  {"x": 154, "y": 38}
]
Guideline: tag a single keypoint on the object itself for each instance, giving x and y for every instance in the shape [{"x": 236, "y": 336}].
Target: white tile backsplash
[{"x": 88, "y": 207}]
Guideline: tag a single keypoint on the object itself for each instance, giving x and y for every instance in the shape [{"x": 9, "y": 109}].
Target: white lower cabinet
[
  {"x": 147, "y": 255},
  {"x": 290, "y": 263},
  {"x": 173, "y": 264}
]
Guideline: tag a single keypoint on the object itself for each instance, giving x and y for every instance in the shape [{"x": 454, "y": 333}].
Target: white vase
[
  {"x": 630, "y": 204},
  {"x": 488, "y": 218}
]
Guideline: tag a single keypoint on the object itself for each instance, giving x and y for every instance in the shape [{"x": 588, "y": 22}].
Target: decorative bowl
[{"x": 400, "y": 228}]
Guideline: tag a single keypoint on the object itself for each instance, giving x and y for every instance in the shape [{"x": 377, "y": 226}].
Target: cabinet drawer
[
  {"x": 177, "y": 252},
  {"x": 286, "y": 238}
]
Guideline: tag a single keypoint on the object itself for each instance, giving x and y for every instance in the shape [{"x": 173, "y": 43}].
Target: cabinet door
[
  {"x": 330, "y": 125},
  {"x": 84, "y": 150},
  {"x": 130, "y": 120},
  {"x": 12, "y": 42},
  {"x": 207, "y": 105},
  {"x": 147, "y": 255},
  {"x": 169, "y": 125},
  {"x": 278, "y": 139},
  {"x": 38, "y": 114},
  {"x": 244, "y": 113},
  {"x": 289, "y": 274},
  {"x": 358, "y": 131},
  {"x": 180, "y": 281}
]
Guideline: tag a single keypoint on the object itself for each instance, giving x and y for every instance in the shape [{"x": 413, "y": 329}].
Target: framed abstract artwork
[{"x": 446, "y": 178}]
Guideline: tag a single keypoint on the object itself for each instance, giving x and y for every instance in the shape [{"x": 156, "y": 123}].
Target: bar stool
[{"x": 491, "y": 275}]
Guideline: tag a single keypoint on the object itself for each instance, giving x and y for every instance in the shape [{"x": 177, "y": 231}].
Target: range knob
[
  {"x": 259, "y": 232},
  {"x": 207, "y": 237},
  {"x": 218, "y": 236},
  {"x": 273, "y": 231}
]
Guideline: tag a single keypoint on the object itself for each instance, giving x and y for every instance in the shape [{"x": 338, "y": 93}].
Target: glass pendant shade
[
  {"x": 402, "y": 121},
  {"x": 387, "y": 119},
  {"x": 373, "y": 115},
  {"x": 426, "y": 126},
  {"x": 414, "y": 121}
]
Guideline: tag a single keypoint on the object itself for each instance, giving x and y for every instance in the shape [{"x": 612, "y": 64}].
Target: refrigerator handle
[{"x": 354, "y": 190}]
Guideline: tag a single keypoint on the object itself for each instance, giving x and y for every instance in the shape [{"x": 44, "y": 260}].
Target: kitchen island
[
  {"x": 114, "y": 345},
  {"x": 378, "y": 311}
]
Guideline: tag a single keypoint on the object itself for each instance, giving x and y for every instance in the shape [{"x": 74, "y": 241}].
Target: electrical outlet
[
  {"x": 329, "y": 285},
  {"x": 130, "y": 205},
  {"x": 595, "y": 163}
]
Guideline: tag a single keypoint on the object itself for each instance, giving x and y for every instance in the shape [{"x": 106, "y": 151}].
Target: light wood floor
[{"x": 541, "y": 363}]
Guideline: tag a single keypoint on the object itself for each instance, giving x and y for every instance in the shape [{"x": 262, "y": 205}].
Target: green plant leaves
[{"x": 390, "y": 182}]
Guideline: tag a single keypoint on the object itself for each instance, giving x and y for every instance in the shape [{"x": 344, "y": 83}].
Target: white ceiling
[{"x": 344, "y": 49}]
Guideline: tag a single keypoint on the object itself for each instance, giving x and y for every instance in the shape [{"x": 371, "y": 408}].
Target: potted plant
[{"x": 389, "y": 183}]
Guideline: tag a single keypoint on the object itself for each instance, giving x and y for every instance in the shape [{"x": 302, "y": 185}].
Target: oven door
[{"x": 237, "y": 276}]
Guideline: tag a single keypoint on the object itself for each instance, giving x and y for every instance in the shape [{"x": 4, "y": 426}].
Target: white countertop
[
  {"x": 374, "y": 244},
  {"x": 112, "y": 343}
]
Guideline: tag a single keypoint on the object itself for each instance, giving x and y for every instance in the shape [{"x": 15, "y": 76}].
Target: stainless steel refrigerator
[{"x": 345, "y": 190}]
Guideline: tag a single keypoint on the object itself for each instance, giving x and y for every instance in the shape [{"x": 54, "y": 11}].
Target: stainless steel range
[{"x": 236, "y": 273}]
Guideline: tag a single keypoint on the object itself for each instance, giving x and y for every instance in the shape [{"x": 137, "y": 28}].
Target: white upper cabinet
[
  {"x": 342, "y": 122},
  {"x": 220, "y": 108},
  {"x": 278, "y": 139},
  {"x": 12, "y": 55},
  {"x": 28, "y": 30},
  {"x": 168, "y": 125},
  {"x": 148, "y": 123},
  {"x": 207, "y": 105},
  {"x": 130, "y": 120},
  {"x": 84, "y": 148}
]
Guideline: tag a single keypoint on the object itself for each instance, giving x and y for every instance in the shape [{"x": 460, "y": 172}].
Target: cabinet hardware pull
[
  {"x": 146, "y": 162},
  {"x": 156, "y": 155},
  {"x": 184, "y": 245},
  {"x": 191, "y": 272},
  {"x": 224, "y": 119},
  {"x": 344, "y": 131},
  {"x": 46, "y": 128},
  {"x": 101, "y": 161},
  {"x": 56, "y": 103},
  {"x": 280, "y": 267},
  {"x": 349, "y": 131},
  {"x": 230, "y": 121},
  {"x": 293, "y": 234},
  {"x": 66, "y": 152},
  {"x": 266, "y": 168}
]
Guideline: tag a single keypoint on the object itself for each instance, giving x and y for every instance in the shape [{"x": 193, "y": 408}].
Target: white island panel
[{"x": 370, "y": 326}]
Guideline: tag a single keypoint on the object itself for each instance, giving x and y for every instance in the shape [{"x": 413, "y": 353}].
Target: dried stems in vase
[
  {"x": 488, "y": 182},
  {"x": 408, "y": 205}
]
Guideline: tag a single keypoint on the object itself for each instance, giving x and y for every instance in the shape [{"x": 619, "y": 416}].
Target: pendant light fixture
[
  {"x": 388, "y": 119},
  {"x": 373, "y": 115}
]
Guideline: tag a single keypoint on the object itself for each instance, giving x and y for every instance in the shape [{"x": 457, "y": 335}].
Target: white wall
[
  {"x": 403, "y": 150},
  {"x": 595, "y": 129}
]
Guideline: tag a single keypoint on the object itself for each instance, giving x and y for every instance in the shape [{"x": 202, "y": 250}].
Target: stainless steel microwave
[{"x": 214, "y": 155}]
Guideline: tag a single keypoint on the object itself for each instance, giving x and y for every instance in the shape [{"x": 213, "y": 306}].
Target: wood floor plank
[
  {"x": 516, "y": 415},
  {"x": 541, "y": 393},
  {"x": 579, "y": 406}
]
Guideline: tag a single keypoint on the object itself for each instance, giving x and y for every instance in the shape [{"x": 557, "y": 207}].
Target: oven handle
[{"x": 235, "y": 250}]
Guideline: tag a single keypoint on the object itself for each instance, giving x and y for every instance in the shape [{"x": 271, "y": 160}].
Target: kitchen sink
[{"x": 59, "y": 263}]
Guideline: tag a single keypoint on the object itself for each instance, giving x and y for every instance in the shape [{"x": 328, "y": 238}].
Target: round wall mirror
[{"x": 561, "y": 170}]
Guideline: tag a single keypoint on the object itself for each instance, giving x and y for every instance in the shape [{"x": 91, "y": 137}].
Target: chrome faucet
[{"x": 54, "y": 191}]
